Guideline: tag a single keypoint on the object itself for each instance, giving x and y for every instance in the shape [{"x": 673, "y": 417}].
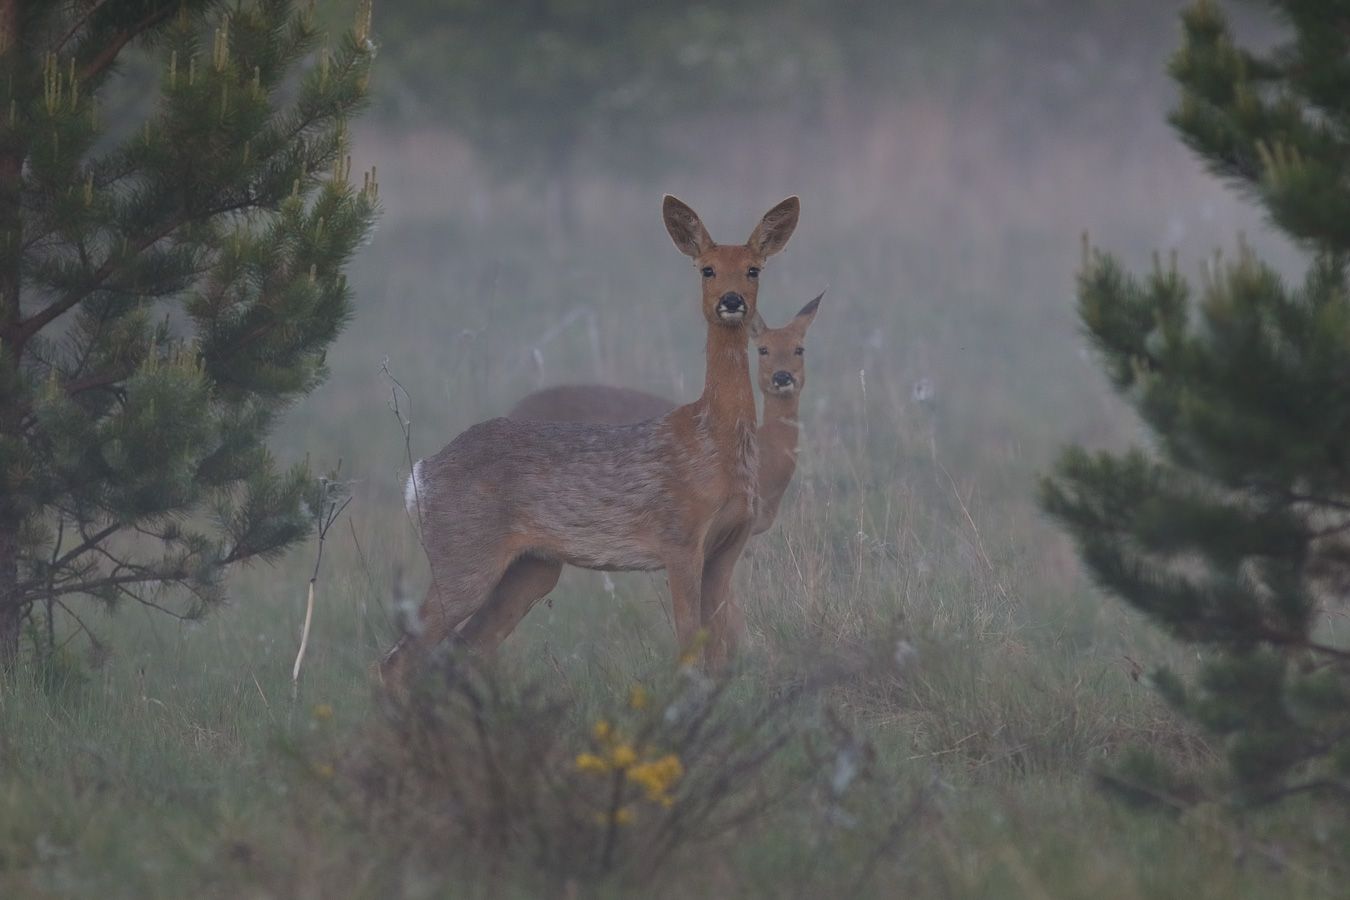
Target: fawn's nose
[
  {"x": 731, "y": 306},
  {"x": 782, "y": 379}
]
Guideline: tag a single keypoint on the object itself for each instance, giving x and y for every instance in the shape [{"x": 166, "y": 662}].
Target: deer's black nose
[
  {"x": 731, "y": 304},
  {"x": 781, "y": 379}
]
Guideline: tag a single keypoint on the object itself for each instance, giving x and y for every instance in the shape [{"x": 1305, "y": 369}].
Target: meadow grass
[{"x": 182, "y": 765}]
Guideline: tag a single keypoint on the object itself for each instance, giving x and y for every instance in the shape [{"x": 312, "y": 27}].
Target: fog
[{"x": 945, "y": 192}]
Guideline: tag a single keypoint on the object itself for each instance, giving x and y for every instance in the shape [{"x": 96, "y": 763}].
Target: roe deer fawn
[
  {"x": 507, "y": 503},
  {"x": 782, "y": 375}
]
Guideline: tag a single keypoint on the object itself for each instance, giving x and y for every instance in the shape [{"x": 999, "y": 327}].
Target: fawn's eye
[
  {"x": 763, "y": 351},
  {"x": 799, "y": 351},
  {"x": 753, "y": 272},
  {"x": 708, "y": 272}
]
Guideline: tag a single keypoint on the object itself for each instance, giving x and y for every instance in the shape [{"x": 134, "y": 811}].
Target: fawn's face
[
  {"x": 782, "y": 354},
  {"x": 730, "y": 272}
]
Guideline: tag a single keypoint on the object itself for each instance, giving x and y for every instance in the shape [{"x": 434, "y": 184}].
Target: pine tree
[
  {"x": 1233, "y": 531},
  {"x": 167, "y": 288}
]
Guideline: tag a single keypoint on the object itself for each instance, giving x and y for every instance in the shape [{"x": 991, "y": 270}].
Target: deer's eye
[
  {"x": 708, "y": 272},
  {"x": 799, "y": 351},
  {"x": 763, "y": 351},
  {"x": 753, "y": 272}
]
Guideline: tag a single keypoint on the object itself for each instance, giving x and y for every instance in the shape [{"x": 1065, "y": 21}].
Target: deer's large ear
[
  {"x": 773, "y": 231},
  {"x": 757, "y": 326},
  {"x": 685, "y": 227},
  {"x": 807, "y": 313}
]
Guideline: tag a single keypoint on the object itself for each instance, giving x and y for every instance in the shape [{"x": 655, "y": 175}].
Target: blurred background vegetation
[{"x": 557, "y": 89}]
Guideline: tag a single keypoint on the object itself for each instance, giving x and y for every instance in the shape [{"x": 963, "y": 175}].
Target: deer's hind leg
[
  {"x": 458, "y": 589},
  {"x": 525, "y": 582}
]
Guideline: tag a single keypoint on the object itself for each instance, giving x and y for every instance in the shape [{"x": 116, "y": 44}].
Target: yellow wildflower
[
  {"x": 589, "y": 762},
  {"x": 324, "y": 770},
  {"x": 602, "y": 731},
  {"x": 622, "y": 756},
  {"x": 691, "y": 654},
  {"x": 622, "y": 816},
  {"x": 323, "y": 712},
  {"x": 637, "y": 697},
  {"x": 657, "y": 777}
]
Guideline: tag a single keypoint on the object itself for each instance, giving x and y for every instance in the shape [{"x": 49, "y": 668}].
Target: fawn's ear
[
  {"x": 685, "y": 227},
  {"x": 807, "y": 313},
  {"x": 773, "y": 231},
  {"x": 757, "y": 326}
]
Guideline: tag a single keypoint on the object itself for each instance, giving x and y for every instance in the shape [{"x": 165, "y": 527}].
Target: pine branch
[
  {"x": 90, "y": 541},
  {"x": 95, "y": 585},
  {"x": 92, "y": 382},
  {"x": 257, "y": 334},
  {"x": 77, "y": 25},
  {"x": 1283, "y": 639},
  {"x": 94, "y": 340},
  {"x": 110, "y": 266},
  {"x": 1329, "y": 531},
  {"x": 173, "y": 614},
  {"x": 106, "y": 57},
  {"x": 1319, "y": 785},
  {"x": 1311, "y": 500},
  {"x": 25, "y": 329}
]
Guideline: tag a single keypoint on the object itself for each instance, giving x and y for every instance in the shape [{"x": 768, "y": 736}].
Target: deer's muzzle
[{"x": 731, "y": 307}]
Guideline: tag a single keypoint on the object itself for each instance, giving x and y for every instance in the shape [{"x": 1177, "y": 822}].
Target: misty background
[{"x": 949, "y": 157}]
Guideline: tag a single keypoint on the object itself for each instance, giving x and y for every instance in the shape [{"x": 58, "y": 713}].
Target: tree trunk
[
  {"x": 11, "y": 613},
  {"x": 11, "y": 313}
]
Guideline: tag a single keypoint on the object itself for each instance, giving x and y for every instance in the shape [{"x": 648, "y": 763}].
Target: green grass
[{"x": 181, "y": 766}]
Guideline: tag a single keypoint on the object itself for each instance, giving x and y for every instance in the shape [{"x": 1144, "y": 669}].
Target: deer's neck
[
  {"x": 728, "y": 411},
  {"x": 777, "y": 455},
  {"x": 727, "y": 395},
  {"x": 777, "y": 446}
]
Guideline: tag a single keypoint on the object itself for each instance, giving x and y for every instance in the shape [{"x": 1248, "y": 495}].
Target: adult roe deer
[
  {"x": 782, "y": 375},
  {"x": 507, "y": 503}
]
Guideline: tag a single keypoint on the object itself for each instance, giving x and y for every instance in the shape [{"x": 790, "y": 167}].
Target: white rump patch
[{"x": 414, "y": 490}]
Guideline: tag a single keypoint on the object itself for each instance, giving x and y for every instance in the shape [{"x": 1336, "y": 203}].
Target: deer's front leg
[
  {"x": 720, "y": 613},
  {"x": 684, "y": 573}
]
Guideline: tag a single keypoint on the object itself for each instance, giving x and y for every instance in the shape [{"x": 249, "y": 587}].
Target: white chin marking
[{"x": 730, "y": 316}]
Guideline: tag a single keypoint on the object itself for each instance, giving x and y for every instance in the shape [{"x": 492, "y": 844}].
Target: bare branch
[{"x": 93, "y": 639}]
